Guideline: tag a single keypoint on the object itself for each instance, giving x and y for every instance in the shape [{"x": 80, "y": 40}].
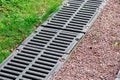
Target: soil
[{"x": 97, "y": 56}]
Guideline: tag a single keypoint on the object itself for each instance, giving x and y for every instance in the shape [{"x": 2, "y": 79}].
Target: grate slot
[
  {"x": 47, "y": 60},
  {"x": 44, "y": 39},
  {"x": 59, "y": 22},
  {"x": 66, "y": 37},
  {"x": 13, "y": 68},
  {"x": 4, "y": 78},
  {"x": 77, "y": 23},
  {"x": 61, "y": 42},
  {"x": 71, "y": 25},
  {"x": 50, "y": 56},
  {"x": 42, "y": 63},
  {"x": 33, "y": 77},
  {"x": 29, "y": 52},
  {"x": 5, "y": 75},
  {"x": 23, "y": 58},
  {"x": 26, "y": 55},
  {"x": 55, "y": 24},
  {"x": 52, "y": 26},
  {"x": 70, "y": 35},
  {"x": 63, "y": 39},
  {"x": 54, "y": 48},
  {"x": 65, "y": 13},
  {"x": 88, "y": 8},
  {"x": 68, "y": 9},
  {"x": 87, "y": 11},
  {"x": 81, "y": 16},
  {"x": 58, "y": 19},
  {"x": 48, "y": 34},
  {"x": 92, "y": 5},
  {"x": 58, "y": 45},
  {"x": 74, "y": 30},
  {"x": 74, "y": 27},
  {"x": 42, "y": 66},
  {"x": 39, "y": 41},
  {"x": 75, "y": 2},
  {"x": 32, "y": 49},
  {"x": 84, "y": 9},
  {"x": 17, "y": 65},
  {"x": 32, "y": 46},
  {"x": 43, "y": 71},
  {"x": 45, "y": 36},
  {"x": 53, "y": 54},
  {"x": 80, "y": 20},
  {"x": 20, "y": 62},
  {"x": 86, "y": 14},
  {"x": 8, "y": 71},
  {"x": 35, "y": 45},
  {"x": 91, "y": 8},
  {"x": 49, "y": 31},
  {"x": 94, "y": 1},
  {"x": 36, "y": 74}
]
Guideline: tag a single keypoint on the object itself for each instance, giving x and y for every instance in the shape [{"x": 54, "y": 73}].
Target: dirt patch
[{"x": 98, "y": 56}]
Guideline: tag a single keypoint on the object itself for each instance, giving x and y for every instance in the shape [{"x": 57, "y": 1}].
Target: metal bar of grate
[{"x": 49, "y": 46}]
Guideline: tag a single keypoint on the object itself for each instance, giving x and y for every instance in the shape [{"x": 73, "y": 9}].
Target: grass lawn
[{"x": 18, "y": 19}]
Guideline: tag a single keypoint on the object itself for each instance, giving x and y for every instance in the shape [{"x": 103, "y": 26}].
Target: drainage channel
[{"x": 49, "y": 46}]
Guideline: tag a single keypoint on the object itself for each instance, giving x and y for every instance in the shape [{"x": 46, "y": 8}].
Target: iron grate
[
  {"x": 76, "y": 16},
  {"x": 34, "y": 61},
  {"x": 47, "y": 48}
]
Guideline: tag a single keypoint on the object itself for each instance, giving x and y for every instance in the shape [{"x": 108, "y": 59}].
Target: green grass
[{"x": 18, "y": 18}]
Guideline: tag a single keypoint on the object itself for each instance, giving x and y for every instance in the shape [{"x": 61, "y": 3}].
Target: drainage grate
[
  {"x": 47, "y": 48},
  {"x": 39, "y": 54},
  {"x": 76, "y": 16}
]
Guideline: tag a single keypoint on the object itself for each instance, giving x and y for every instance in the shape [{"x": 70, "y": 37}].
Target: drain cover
[{"x": 47, "y": 48}]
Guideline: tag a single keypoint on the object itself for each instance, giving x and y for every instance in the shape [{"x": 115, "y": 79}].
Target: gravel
[{"x": 97, "y": 57}]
